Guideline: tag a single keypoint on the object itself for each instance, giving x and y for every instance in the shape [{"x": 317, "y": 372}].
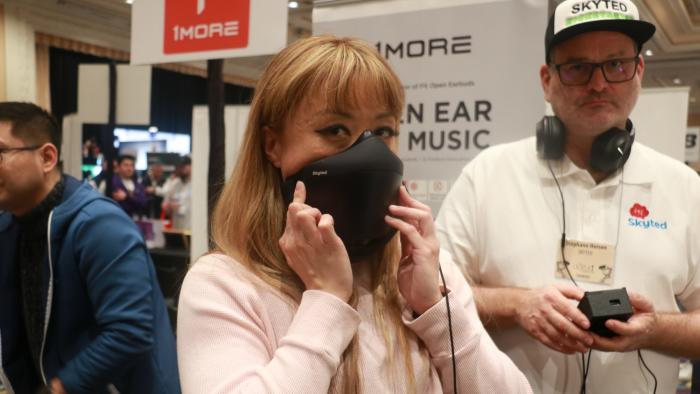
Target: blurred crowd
[{"x": 154, "y": 193}]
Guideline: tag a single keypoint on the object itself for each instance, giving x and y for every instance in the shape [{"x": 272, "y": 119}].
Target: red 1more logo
[{"x": 205, "y": 25}]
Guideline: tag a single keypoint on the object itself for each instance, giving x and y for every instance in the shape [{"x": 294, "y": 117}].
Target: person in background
[
  {"x": 91, "y": 151},
  {"x": 279, "y": 306},
  {"x": 583, "y": 207},
  {"x": 153, "y": 184},
  {"x": 98, "y": 182},
  {"x": 177, "y": 203},
  {"x": 80, "y": 307},
  {"x": 126, "y": 189}
]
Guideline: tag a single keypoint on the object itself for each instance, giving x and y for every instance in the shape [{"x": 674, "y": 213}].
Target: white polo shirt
[{"x": 502, "y": 222}]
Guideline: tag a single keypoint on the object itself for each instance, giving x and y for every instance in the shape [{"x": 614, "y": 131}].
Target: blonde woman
[{"x": 278, "y": 306}]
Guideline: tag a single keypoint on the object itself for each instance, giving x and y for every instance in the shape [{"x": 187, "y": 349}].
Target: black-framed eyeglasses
[
  {"x": 614, "y": 71},
  {"x": 17, "y": 149}
]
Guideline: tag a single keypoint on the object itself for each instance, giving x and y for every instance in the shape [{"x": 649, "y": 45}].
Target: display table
[{"x": 171, "y": 263}]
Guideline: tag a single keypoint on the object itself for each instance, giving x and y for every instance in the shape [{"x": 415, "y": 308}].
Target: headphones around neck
[{"x": 609, "y": 151}]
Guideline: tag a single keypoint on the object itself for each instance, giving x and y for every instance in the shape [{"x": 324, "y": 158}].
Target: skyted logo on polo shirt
[{"x": 639, "y": 214}]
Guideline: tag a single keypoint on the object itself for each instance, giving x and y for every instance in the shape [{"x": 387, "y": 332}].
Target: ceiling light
[
  {"x": 129, "y": 1},
  {"x": 677, "y": 81},
  {"x": 293, "y": 4},
  {"x": 649, "y": 52}
]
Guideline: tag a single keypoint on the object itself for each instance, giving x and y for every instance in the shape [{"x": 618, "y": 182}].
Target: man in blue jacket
[{"x": 80, "y": 307}]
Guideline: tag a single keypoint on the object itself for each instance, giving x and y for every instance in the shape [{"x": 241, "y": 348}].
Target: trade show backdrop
[{"x": 470, "y": 73}]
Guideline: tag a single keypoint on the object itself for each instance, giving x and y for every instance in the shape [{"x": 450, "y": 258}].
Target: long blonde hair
[{"x": 248, "y": 219}]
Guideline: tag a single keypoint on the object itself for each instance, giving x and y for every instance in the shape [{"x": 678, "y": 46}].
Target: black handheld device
[{"x": 599, "y": 306}]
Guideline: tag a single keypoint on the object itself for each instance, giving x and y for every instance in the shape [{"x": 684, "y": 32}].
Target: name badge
[{"x": 588, "y": 262}]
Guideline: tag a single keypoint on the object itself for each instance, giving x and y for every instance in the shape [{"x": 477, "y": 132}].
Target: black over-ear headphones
[{"x": 609, "y": 152}]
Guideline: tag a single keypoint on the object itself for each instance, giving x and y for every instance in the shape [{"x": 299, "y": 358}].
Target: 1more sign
[
  {"x": 185, "y": 30},
  {"x": 201, "y": 25}
]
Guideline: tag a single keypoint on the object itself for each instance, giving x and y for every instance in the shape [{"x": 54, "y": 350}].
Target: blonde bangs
[
  {"x": 353, "y": 79},
  {"x": 344, "y": 71}
]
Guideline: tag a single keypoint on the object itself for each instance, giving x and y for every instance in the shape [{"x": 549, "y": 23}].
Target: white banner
[
  {"x": 235, "y": 121},
  {"x": 133, "y": 106},
  {"x": 470, "y": 70},
  {"x": 164, "y": 31},
  {"x": 661, "y": 119},
  {"x": 692, "y": 145}
]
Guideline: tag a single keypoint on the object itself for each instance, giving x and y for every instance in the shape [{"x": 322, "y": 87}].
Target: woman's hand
[
  {"x": 418, "y": 272},
  {"x": 313, "y": 249}
]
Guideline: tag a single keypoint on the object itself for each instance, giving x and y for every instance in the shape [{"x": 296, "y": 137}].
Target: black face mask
[{"x": 356, "y": 187}]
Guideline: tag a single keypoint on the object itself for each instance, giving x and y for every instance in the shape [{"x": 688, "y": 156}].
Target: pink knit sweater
[{"x": 235, "y": 334}]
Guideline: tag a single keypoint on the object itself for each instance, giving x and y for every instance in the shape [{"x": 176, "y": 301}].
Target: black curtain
[
  {"x": 172, "y": 94},
  {"x": 63, "y": 80}
]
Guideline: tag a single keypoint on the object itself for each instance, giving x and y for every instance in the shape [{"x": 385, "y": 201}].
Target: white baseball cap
[{"x": 573, "y": 17}]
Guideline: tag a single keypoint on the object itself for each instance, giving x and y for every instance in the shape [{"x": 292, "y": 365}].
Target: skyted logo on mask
[
  {"x": 639, "y": 214},
  {"x": 205, "y": 25}
]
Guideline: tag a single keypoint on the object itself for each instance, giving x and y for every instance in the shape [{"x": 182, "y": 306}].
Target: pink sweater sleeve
[
  {"x": 481, "y": 366},
  {"x": 225, "y": 344}
]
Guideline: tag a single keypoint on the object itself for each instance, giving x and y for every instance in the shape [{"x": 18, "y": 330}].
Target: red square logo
[{"x": 205, "y": 25}]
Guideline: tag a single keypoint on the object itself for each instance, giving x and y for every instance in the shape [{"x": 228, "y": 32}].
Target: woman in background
[{"x": 278, "y": 306}]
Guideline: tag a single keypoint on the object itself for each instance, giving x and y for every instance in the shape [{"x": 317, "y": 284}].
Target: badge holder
[{"x": 599, "y": 306}]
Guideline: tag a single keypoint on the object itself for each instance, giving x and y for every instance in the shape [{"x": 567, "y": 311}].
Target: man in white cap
[{"x": 582, "y": 207}]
